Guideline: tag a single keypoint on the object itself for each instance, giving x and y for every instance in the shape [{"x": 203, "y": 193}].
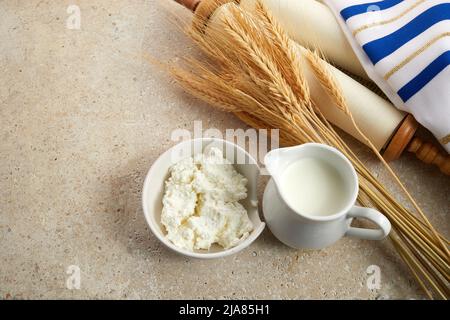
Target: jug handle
[{"x": 384, "y": 226}]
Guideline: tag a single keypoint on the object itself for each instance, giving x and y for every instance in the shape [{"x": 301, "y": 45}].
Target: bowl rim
[{"x": 207, "y": 255}]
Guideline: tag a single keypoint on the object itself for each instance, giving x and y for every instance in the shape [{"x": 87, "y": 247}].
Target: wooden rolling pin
[{"x": 389, "y": 129}]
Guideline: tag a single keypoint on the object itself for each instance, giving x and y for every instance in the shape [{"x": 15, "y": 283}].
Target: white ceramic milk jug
[{"x": 310, "y": 200}]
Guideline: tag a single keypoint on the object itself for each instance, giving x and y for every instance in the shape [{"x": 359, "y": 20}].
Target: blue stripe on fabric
[
  {"x": 424, "y": 77},
  {"x": 381, "y": 48},
  {"x": 355, "y": 10}
]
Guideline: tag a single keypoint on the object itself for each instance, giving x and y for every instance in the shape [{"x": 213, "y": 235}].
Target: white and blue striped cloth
[{"x": 404, "y": 47}]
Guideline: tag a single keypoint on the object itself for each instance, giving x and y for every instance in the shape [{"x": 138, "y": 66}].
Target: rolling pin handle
[
  {"x": 401, "y": 139},
  {"x": 190, "y": 4},
  {"x": 429, "y": 153}
]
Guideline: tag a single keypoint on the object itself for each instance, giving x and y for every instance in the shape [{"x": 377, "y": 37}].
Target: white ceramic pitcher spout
[
  {"x": 277, "y": 160},
  {"x": 302, "y": 230}
]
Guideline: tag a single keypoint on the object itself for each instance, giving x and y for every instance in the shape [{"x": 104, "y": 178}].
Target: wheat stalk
[{"x": 256, "y": 73}]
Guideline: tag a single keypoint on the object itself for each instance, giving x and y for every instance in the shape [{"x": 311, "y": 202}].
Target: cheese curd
[{"x": 201, "y": 203}]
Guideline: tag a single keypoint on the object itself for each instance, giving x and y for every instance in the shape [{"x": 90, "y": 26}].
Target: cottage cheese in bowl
[{"x": 201, "y": 203}]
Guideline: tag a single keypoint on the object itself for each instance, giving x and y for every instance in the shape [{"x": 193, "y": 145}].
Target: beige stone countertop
[{"x": 82, "y": 118}]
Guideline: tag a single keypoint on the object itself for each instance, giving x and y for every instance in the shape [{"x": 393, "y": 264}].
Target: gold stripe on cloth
[
  {"x": 445, "y": 139},
  {"x": 381, "y": 23},
  {"x": 414, "y": 55}
]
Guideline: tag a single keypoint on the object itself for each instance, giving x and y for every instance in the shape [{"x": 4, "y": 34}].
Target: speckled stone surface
[{"x": 82, "y": 118}]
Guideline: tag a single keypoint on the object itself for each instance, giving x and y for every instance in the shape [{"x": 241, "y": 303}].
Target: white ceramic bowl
[{"x": 153, "y": 191}]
